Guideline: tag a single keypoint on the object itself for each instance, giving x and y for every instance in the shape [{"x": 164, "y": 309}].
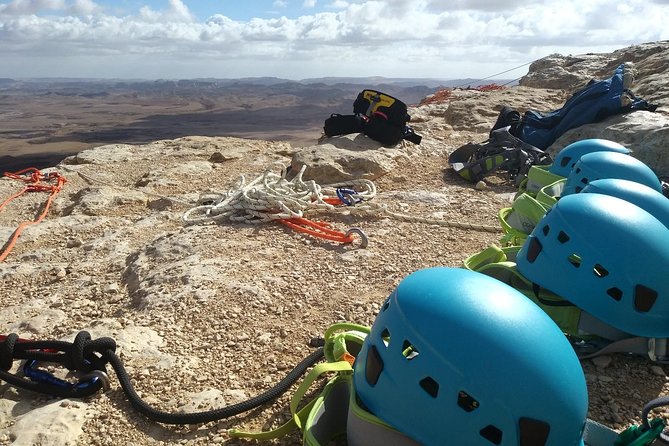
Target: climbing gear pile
[
  {"x": 591, "y": 254},
  {"x": 420, "y": 375},
  {"x": 272, "y": 197},
  {"x": 35, "y": 181},
  {"x": 575, "y": 166},
  {"x": 594, "y": 102}
]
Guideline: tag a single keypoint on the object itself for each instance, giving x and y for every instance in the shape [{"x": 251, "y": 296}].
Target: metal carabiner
[
  {"x": 364, "y": 241},
  {"x": 348, "y": 196},
  {"x": 93, "y": 377}
]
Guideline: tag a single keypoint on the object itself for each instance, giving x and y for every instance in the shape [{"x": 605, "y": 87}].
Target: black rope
[{"x": 91, "y": 356}]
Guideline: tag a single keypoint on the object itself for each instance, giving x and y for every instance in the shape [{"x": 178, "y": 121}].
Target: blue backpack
[{"x": 594, "y": 102}]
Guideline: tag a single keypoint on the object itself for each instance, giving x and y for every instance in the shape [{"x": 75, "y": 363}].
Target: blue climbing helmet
[
  {"x": 598, "y": 165},
  {"x": 605, "y": 255},
  {"x": 568, "y": 156},
  {"x": 457, "y": 357},
  {"x": 639, "y": 194}
]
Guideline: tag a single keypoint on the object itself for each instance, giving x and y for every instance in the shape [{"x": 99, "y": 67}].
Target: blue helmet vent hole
[
  {"x": 584, "y": 180},
  {"x": 385, "y": 337},
  {"x": 600, "y": 271},
  {"x": 615, "y": 293},
  {"x": 430, "y": 386},
  {"x": 546, "y": 229},
  {"x": 533, "y": 432},
  {"x": 575, "y": 260},
  {"x": 578, "y": 170},
  {"x": 564, "y": 161},
  {"x": 492, "y": 434},
  {"x": 563, "y": 237},
  {"x": 466, "y": 402},
  {"x": 373, "y": 366},
  {"x": 644, "y": 298},
  {"x": 534, "y": 249},
  {"x": 409, "y": 351}
]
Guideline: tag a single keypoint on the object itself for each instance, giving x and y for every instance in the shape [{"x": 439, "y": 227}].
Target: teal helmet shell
[
  {"x": 639, "y": 194},
  {"x": 598, "y": 165},
  {"x": 569, "y": 156},
  {"x": 605, "y": 255},
  {"x": 457, "y": 357}
]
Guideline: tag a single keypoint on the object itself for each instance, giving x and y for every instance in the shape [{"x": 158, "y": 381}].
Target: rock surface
[{"x": 209, "y": 315}]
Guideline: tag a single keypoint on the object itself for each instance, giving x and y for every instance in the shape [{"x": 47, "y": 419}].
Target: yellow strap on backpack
[{"x": 377, "y": 100}]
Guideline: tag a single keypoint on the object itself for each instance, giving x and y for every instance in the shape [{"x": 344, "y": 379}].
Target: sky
[{"x": 299, "y": 39}]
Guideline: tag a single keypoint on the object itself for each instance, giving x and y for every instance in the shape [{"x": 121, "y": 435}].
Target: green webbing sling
[
  {"x": 526, "y": 212},
  {"x": 500, "y": 263},
  {"x": 538, "y": 177}
]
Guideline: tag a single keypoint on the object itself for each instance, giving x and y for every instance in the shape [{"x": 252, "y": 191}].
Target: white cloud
[
  {"x": 84, "y": 7},
  {"x": 280, "y": 3},
  {"x": 392, "y": 37},
  {"x": 309, "y": 4},
  {"x": 176, "y": 11},
  {"x": 19, "y": 7}
]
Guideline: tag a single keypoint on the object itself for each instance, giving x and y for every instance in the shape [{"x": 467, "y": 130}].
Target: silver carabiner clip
[{"x": 364, "y": 241}]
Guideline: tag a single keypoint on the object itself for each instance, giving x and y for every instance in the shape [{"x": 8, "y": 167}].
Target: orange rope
[
  {"x": 34, "y": 183},
  {"x": 317, "y": 229}
]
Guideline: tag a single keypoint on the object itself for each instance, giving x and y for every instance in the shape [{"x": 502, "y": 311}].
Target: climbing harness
[
  {"x": 502, "y": 151},
  {"x": 35, "y": 181}
]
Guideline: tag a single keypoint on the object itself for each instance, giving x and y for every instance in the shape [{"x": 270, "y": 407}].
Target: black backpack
[{"x": 377, "y": 115}]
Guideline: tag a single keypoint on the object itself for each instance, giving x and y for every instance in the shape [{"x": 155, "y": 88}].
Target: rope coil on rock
[{"x": 273, "y": 197}]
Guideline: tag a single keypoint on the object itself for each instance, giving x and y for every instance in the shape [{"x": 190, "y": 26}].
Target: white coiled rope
[{"x": 272, "y": 197}]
